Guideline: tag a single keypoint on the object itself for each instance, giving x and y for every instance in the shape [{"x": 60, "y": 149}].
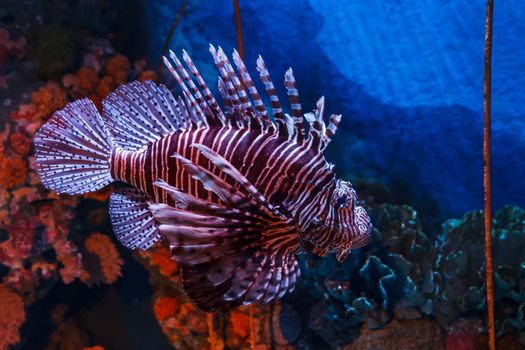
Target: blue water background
[{"x": 406, "y": 75}]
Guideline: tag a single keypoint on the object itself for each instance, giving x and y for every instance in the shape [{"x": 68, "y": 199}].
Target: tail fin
[{"x": 73, "y": 149}]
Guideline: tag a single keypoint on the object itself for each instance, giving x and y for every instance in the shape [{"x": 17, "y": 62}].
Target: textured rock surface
[{"x": 401, "y": 335}]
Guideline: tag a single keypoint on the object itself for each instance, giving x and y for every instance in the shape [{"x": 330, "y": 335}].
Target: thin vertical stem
[
  {"x": 252, "y": 328},
  {"x": 486, "y": 173},
  {"x": 173, "y": 25},
  {"x": 238, "y": 26},
  {"x": 216, "y": 342}
]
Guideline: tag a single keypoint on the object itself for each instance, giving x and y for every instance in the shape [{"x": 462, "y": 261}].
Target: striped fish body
[
  {"x": 236, "y": 193},
  {"x": 272, "y": 163}
]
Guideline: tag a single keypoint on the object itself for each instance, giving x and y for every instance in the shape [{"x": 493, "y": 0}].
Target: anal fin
[{"x": 132, "y": 220}]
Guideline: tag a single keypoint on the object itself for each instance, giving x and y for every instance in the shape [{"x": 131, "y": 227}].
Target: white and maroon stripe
[
  {"x": 204, "y": 87},
  {"x": 293, "y": 97},
  {"x": 270, "y": 89},
  {"x": 247, "y": 80}
]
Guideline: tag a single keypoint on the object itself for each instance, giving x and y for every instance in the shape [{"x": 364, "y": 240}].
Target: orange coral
[
  {"x": 87, "y": 79},
  {"x": 117, "y": 64},
  {"x": 43, "y": 269},
  {"x": 120, "y": 77},
  {"x": 106, "y": 85},
  {"x": 72, "y": 267},
  {"x": 48, "y": 99},
  {"x": 165, "y": 308},
  {"x": 240, "y": 323},
  {"x": 101, "y": 195},
  {"x": 12, "y": 315},
  {"x": 20, "y": 144},
  {"x": 161, "y": 257},
  {"x": 97, "y": 101},
  {"x": 148, "y": 75},
  {"x": 187, "y": 324},
  {"x": 13, "y": 171},
  {"x": 25, "y": 113},
  {"x": 216, "y": 342},
  {"x": 96, "y": 347},
  {"x": 110, "y": 261},
  {"x": 68, "y": 335},
  {"x": 190, "y": 319},
  {"x": 59, "y": 313},
  {"x": 68, "y": 256}
]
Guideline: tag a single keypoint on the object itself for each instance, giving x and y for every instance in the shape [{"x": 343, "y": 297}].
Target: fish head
[{"x": 341, "y": 225}]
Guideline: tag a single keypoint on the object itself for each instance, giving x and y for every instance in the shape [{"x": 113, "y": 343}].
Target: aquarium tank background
[{"x": 407, "y": 77}]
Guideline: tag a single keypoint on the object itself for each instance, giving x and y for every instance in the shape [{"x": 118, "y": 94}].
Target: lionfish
[{"x": 236, "y": 192}]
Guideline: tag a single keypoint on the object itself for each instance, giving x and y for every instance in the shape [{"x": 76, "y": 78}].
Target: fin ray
[
  {"x": 73, "y": 149},
  {"x": 225, "y": 248},
  {"x": 141, "y": 113},
  {"x": 132, "y": 220}
]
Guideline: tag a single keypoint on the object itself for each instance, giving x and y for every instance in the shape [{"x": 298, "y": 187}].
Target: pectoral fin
[{"x": 236, "y": 252}]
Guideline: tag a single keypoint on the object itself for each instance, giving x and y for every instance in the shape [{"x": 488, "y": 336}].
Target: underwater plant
[
  {"x": 40, "y": 246},
  {"x": 461, "y": 265},
  {"x": 393, "y": 276},
  {"x": 108, "y": 257},
  {"x": 404, "y": 274}
]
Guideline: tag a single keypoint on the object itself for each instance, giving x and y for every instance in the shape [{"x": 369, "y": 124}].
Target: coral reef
[
  {"x": 48, "y": 99},
  {"x": 14, "y": 171},
  {"x": 393, "y": 276},
  {"x": 68, "y": 335},
  {"x": 463, "y": 334},
  {"x": 12, "y": 316},
  {"x": 183, "y": 324},
  {"x": 39, "y": 247},
  {"x": 159, "y": 259},
  {"x": 406, "y": 274},
  {"x": 108, "y": 257},
  {"x": 461, "y": 245}
]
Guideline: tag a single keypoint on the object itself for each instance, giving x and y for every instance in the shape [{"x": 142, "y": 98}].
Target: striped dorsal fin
[
  {"x": 140, "y": 113},
  {"x": 317, "y": 127},
  {"x": 293, "y": 97},
  {"x": 236, "y": 88},
  {"x": 248, "y": 82}
]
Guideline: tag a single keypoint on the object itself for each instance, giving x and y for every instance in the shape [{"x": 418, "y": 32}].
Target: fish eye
[{"x": 341, "y": 201}]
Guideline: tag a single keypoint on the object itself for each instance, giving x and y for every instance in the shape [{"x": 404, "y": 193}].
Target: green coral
[
  {"x": 462, "y": 246},
  {"x": 393, "y": 275},
  {"x": 406, "y": 273}
]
